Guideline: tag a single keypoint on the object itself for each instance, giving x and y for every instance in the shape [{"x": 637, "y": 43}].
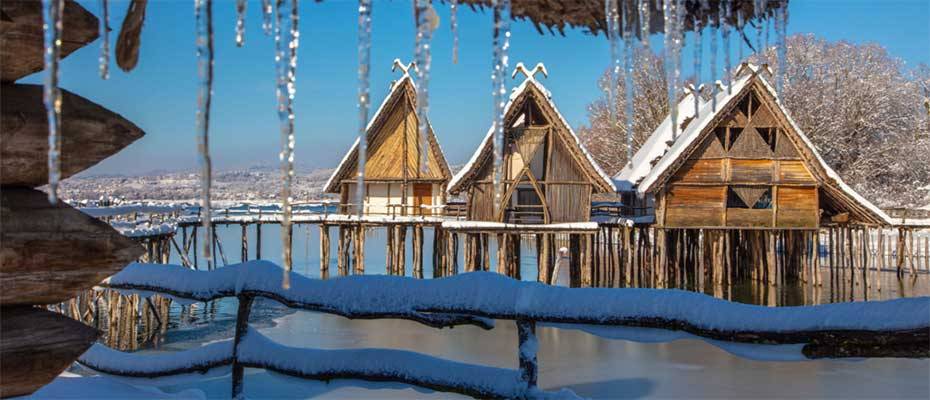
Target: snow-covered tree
[{"x": 607, "y": 141}]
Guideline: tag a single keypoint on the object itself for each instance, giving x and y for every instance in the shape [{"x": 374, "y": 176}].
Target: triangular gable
[
  {"x": 695, "y": 133},
  {"x": 396, "y": 116},
  {"x": 532, "y": 90}
]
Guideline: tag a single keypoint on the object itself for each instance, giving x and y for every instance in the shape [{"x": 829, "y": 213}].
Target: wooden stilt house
[
  {"x": 742, "y": 163},
  {"x": 548, "y": 176},
  {"x": 395, "y": 182}
]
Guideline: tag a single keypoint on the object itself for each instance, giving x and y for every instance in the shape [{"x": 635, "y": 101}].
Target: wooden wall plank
[{"x": 751, "y": 171}]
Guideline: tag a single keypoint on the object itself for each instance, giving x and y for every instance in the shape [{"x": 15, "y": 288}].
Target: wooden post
[
  {"x": 418, "y": 251},
  {"x": 258, "y": 240},
  {"x": 324, "y": 251},
  {"x": 485, "y": 252},
  {"x": 574, "y": 265},
  {"x": 340, "y": 252},
  {"x": 586, "y": 261},
  {"x": 545, "y": 266},
  {"x": 360, "y": 250},
  {"x": 401, "y": 238},
  {"x": 501, "y": 254},
  {"x": 244, "y": 244},
  {"x": 438, "y": 247},
  {"x": 528, "y": 346},
  {"x": 242, "y": 328}
]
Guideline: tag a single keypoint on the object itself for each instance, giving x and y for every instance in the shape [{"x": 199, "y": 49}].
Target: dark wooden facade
[
  {"x": 547, "y": 176},
  {"x": 750, "y": 167}
]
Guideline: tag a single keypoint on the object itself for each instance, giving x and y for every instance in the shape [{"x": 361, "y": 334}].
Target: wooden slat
[
  {"x": 22, "y": 37},
  {"x": 797, "y": 198},
  {"x": 693, "y": 216},
  {"x": 784, "y": 148},
  {"x": 794, "y": 172},
  {"x": 701, "y": 171},
  {"x": 89, "y": 134},
  {"x": 749, "y": 144},
  {"x": 697, "y": 196},
  {"x": 749, "y": 217},
  {"x": 50, "y": 253},
  {"x": 36, "y": 345},
  {"x": 710, "y": 148},
  {"x": 796, "y": 218},
  {"x": 751, "y": 171}
]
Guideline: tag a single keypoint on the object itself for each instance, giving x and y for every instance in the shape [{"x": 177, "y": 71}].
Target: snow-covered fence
[{"x": 898, "y": 327}]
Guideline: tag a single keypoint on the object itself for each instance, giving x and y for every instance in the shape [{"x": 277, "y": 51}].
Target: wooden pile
[{"x": 49, "y": 253}]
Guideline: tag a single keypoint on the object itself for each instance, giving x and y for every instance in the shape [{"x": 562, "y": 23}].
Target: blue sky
[{"x": 160, "y": 94}]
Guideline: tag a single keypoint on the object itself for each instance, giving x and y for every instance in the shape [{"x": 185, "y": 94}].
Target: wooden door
[{"x": 422, "y": 196}]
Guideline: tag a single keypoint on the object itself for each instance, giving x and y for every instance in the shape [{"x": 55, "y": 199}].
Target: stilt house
[
  {"x": 548, "y": 176},
  {"x": 743, "y": 165},
  {"x": 395, "y": 183}
]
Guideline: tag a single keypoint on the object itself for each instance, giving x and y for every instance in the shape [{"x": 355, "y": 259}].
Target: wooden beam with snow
[
  {"x": 22, "y": 40},
  {"x": 90, "y": 133},
  {"x": 50, "y": 253},
  {"x": 36, "y": 346}
]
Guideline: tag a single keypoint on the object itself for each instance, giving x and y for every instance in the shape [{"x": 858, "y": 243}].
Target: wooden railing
[{"x": 897, "y": 328}]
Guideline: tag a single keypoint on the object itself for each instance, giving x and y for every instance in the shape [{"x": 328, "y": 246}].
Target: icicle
[
  {"x": 51, "y": 14},
  {"x": 628, "y": 56},
  {"x": 781, "y": 29},
  {"x": 105, "y": 39},
  {"x": 454, "y": 26},
  {"x": 286, "y": 68},
  {"x": 739, "y": 25},
  {"x": 501, "y": 45},
  {"x": 725, "y": 27},
  {"x": 612, "y": 13},
  {"x": 673, "y": 25},
  {"x": 698, "y": 50},
  {"x": 364, "y": 71},
  {"x": 714, "y": 22},
  {"x": 203, "y": 13},
  {"x": 644, "y": 22},
  {"x": 427, "y": 21},
  {"x": 240, "y": 22},
  {"x": 765, "y": 47},
  {"x": 267, "y": 12},
  {"x": 759, "y": 11}
]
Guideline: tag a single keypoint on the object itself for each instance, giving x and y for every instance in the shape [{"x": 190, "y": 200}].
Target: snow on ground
[{"x": 73, "y": 386}]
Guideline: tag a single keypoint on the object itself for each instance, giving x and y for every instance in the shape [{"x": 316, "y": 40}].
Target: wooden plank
[
  {"x": 23, "y": 38},
  {"x": 797, "y": 198},
  {"x": 749, "y": 217},
  {"x": 682, "y": 217},
  {"x": 701, "y": 170},
  {"x": 790, "y": 171},
  {"x": 696, "y": 196},
  {"x": 89, "y": 134},
  {"x": 50, "y": 253},
  {"x": 36, "y": 345},
  {"x": 751, "y": 171}
]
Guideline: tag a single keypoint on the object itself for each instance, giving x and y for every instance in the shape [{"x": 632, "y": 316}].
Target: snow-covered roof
[
  {"x": 396, "y": 90},
  {"x": 486, "y": 142},
  {"x": 643, "y": 173}
]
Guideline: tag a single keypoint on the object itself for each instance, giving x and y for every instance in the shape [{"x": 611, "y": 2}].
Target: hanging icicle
[
  {"x": 454, "y": 26},
  {"x": 725, "y": 32},
  {"x": 203, "y": 13},
  {"x": 427, "y": 21},
  {"x": 714, "y": 22},
  {"x": 698, "y": 55},
  {"x": 51, "y": 14},
  {"x": 267, "y": 12},
  {"x": 364, "y": 71},
  {"x": 240, "y": 22},
  {"x": 105, "y": 39},
  {"x": 672, "y": 49},
  {"x": 739, "y": 27},
  {"x": 781, "y": 29},
  {"x": 501, "y": 45},
  {"x": 759, "y": 11},
  {"x": 286, "y": 71},
  {"x": 612, "y": 13},
  {"x": 629, "y": 17},
  {"x": 644, "y": 11}
]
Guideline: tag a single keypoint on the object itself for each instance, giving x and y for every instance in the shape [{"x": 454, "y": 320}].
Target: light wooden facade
[
  {"x": 547, "y": 175},
  {"x": 746, "y": 166},
  {"x": 395, "y": 183}
]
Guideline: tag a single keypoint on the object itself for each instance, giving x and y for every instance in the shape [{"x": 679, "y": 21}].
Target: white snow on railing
[
  {"x": 107, "y": 360},
  {"x": 491, "y": 294}
]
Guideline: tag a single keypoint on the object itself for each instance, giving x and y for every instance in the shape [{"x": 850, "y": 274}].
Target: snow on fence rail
[{"x": 897, "y": 328}]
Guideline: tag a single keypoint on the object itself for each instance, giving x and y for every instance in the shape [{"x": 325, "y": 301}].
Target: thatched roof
[
  {"x": 556, "y": 15},
  {"x": 647, "y": 174}
]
